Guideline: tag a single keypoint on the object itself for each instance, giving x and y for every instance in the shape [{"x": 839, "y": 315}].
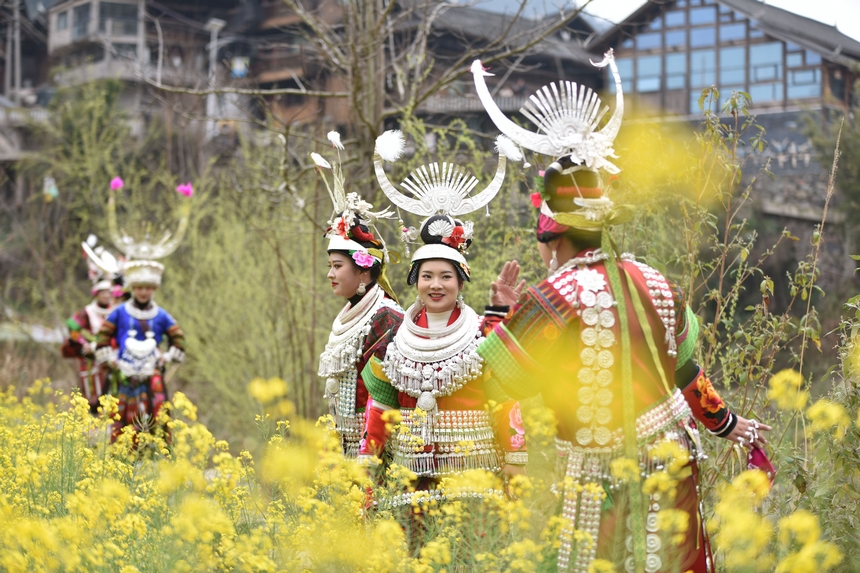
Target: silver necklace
[
  {"x": 427, "y": 363},
  {"x": 350, "y": 327},
  {"x": 590, "y": 258}
]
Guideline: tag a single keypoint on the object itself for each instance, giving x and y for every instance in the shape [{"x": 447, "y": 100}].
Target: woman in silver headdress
[
  {"x": 432, "y": 373},
  {"x": 365, "y": 325}
]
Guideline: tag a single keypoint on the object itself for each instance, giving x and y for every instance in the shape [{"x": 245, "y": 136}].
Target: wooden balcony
[
  {"x": 284, "y": 63},
  {"x": 468, "y": 103}
]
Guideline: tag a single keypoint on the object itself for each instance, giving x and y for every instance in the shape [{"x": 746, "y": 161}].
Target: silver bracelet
[
  {"x": 516, "y": 458},
  {"x": 729, "y": 423}
]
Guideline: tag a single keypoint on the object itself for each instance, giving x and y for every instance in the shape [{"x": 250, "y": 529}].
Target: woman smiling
[{"x": 432, "y": 372}]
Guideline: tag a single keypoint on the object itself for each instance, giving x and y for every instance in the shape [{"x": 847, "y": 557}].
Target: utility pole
[
  {"x": 16, "y": 14},
  {"x": 214, "y": 25},
  {"x": 7, "y": 80}
]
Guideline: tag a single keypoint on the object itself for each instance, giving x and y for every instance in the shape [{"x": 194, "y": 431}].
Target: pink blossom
[
  {"x": 185, "y": 189},
  {"x": 116, "y": 183},
  {"x": 516, "y": 418},
  {"x": 536, "y": 200},
  {"x": 363, "y": 259},
  {"x": 117, "y": 291},
  {"x": 518, "y": 441}
]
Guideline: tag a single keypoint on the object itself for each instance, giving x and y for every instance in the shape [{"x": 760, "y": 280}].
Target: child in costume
[{"x": 139, "y": 326}]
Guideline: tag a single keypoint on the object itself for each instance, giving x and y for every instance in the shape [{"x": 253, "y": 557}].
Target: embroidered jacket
[
  {"x": 564, "y": 342},
  {"x": 430, "y": 443},
  {"x": 128, "y": 323}
]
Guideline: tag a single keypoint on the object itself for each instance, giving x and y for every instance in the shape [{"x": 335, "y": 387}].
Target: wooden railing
[{"x": 468, "y": 103}]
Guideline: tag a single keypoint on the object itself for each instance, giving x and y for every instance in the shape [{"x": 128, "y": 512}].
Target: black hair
[
  {"x": 412, "y": 278},
  {"x": 429, "y": 239}
]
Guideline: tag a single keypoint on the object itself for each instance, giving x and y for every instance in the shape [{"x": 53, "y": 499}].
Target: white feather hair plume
[
  {"x": 508, "y": 148},
  {"x": 319, "y": 161},
  {"x": 390, "y": 145},
  {"x": 334, "y": 137}
]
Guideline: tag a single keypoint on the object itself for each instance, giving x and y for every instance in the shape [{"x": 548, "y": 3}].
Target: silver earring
[
  {"x": 553, "y": 262},
  {"x": 460, "y": 302},
  {"x": 418, "y": 301},
  {"x": 362, "y": 288}
]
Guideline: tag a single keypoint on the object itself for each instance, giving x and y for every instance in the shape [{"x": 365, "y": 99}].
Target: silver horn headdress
[
  {"x": 141, "y": 267},
  {"x": 567, "y": 117},
  {"x": 103, "y": 267},
  {"x": 441, "y": 193}
]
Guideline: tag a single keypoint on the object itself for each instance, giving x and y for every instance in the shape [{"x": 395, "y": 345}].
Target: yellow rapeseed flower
[
  {"x": 625, "y": 469},
  {"x": 662, "y": 483},
  {"x": 601, "y": 566},
  {"x": 268, "y": 391},
  {"x": 753, "y": 484},
  {"x": 671, "y": 454},
  {"x": 436, "y": 552},
  {"x": 799, "y": 527},
  {"x": 825, "y": 416},
  {"x": 674, "y": 523},
  {"x": 784, "y": 388}
]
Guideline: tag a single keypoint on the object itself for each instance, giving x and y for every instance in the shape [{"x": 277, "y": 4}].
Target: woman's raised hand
[{"x": 505, "y": 291}]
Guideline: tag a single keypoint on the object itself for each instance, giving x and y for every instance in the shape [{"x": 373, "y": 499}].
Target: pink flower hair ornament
[
  {"x": 363, "y": 259},
  {"x": 116, "y": 183},
  {"x": 185, "y": 189},
  {"x": 515, "y": 416}
]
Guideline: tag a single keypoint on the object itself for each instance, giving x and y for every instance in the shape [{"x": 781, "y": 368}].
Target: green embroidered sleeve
[
  {"x": 377, "y": 384},
  {"x": 687, "y": 339}
]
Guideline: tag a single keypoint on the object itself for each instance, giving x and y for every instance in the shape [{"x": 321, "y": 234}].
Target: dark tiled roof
[
  {"x": 480, "y": 24},
  {"x": 818, "y": 37},
  {"x": 821, "y": 38}
]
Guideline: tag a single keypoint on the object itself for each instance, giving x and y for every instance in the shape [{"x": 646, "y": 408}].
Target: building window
[
  {"x": 675, "y": 19},
  {"x": 707, "y": 15},
  {"x": 676, "y": 38},
  {"x": 766, "y": 62},
  {"x": 648, "y": 41},
  {"x": 625, "y": 70},
  {"x": 676, "y": 71},
  {"x": 62, "y": 20},
  {"x": 804, "y": 83},
  {"x": 703, "y": 66},
  {"x": 766, "y": 92},
  {"x": 812, "y": 59},
  {"x": 648, "y": 72},
  {"x": 755, "y": 32},
  {"x": 732, "y": 32},
  {"x": 701, "y": 37},
  {"x": 655, "y": 24},
  {"x": 123, "y": 18},
  {"x": 80, "y": 21},
  {"x": 733, "y": 66},
  {"x": 794, "y": 60}
]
